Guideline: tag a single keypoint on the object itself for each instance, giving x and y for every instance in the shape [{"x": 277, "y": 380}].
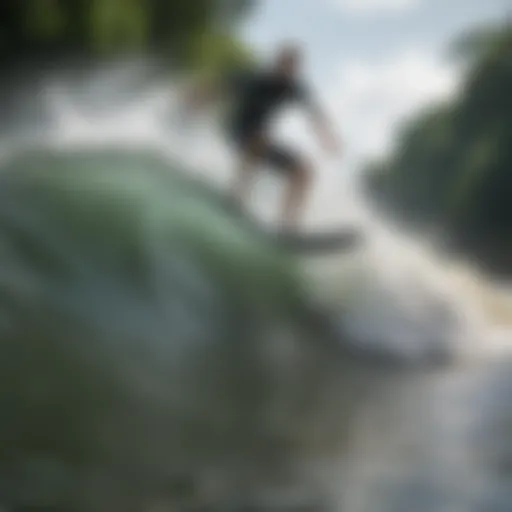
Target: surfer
[{"x": 257, "y": 95}]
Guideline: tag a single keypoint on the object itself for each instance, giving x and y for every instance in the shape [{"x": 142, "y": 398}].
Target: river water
[{"x": 418, "y": 438}]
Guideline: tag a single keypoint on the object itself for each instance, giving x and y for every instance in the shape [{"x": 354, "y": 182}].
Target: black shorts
[{"x": 276, "y": 155}]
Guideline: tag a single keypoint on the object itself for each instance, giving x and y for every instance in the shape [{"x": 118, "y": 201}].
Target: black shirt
[{"x": 258, "y": 95}]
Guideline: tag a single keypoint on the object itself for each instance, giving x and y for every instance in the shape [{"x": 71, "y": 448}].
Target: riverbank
[{"x": 487, "y": 252}]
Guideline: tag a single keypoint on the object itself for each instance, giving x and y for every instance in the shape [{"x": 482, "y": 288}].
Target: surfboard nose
[{"x": 344, "y": 239}]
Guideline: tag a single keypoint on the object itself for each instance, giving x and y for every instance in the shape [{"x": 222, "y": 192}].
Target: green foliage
[
  {"x": 212, "y": 52},
  {"x": 118, "y": 23},
  {"x": 454, "y": 163},
  {"x": 33, "y": 28},
  {"x": 474, "y": 45}
]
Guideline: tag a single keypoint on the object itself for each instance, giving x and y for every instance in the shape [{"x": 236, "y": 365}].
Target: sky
[{"x": 372, "y": 63}]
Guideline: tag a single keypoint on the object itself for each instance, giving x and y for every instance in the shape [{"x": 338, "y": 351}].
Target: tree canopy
[
  {"x": 53, "y": 28},
  {"x": 453, "y": 166}
]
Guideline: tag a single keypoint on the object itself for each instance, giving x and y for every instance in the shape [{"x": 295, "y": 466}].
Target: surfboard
[
  {"x": 326, "y": 241},
  {"x": 321, "y": 241}
]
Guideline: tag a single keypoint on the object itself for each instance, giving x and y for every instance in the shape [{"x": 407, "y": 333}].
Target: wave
[{"x": 147, "y": 333}]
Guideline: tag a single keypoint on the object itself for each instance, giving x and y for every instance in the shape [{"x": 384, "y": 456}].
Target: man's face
[{"x": 289, "y": 62}]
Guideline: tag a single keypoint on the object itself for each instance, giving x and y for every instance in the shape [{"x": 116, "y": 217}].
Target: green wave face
[{"x": 145, "y": 334}]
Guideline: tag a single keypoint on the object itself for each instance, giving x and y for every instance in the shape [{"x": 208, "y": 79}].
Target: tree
[
  {"x": 453, "y": 165},
  {"x": 55, "y": 28}
]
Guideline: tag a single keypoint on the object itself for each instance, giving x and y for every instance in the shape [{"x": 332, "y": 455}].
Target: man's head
[{"x": 288, "y": 60}]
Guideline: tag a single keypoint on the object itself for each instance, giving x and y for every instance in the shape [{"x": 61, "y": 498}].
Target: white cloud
[
  {"x": 371, "y": 100},
  {"x": 365, "y": 7}
]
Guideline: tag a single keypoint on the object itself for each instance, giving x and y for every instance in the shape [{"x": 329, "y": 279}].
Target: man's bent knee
[{"x": 302, "y": 174}]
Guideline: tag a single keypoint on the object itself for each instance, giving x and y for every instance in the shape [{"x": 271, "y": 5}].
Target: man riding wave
[{"x": 258, "y": 95}]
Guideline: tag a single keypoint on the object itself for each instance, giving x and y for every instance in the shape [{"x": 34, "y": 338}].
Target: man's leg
[
  {"x": 298, "y": 173},
  {"x": 295, "y": 196},
  {"x": 243, "y": 179},
  {"x": 248, "y": 159}
]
